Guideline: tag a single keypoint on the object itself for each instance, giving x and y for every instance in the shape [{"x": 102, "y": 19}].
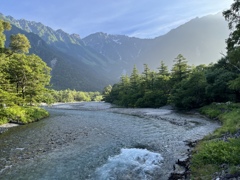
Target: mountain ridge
[
  {"x": 66, "y": 73},
  {"x": 104, "y": 57}
]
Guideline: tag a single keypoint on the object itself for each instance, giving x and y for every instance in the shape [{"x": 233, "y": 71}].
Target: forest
[{"x": 185, "y": 87}]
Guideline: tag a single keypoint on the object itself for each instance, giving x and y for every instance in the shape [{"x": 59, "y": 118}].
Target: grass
[
  {"x": 212, "y": 152},
  {"x": 227, "y": 113}
]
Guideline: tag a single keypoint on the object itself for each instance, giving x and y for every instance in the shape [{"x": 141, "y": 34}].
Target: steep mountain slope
[
  {"x": 120, "y": 49},
  {"x": 200, "y": 40},
  {"x": 60, "y": 40},
  {"x": 67, "y": 72},
  {"x": 75, "y": 65}
]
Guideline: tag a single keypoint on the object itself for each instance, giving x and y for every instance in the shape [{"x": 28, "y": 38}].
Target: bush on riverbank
[
  {"x": 219, "y": 152},
  {"x": 22, "y": 115}
]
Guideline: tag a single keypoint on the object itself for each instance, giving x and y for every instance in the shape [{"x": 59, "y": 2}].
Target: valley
[{"x": 95, "y": 61}]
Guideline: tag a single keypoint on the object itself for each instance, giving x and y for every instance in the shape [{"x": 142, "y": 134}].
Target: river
[{"x": 95, "y": 141}]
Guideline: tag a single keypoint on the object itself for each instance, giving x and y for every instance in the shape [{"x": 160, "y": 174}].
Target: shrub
[
  {"x": 212, "y": 152},
  {"x": 227, "y": 113},
  {"x": 218, "y": 152},
  {"x": 23, "y": 115}
]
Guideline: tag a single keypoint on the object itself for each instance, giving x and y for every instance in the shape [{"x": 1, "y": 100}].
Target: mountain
[
  {"x": 67, "y": 72},
  {"x": 122, "y": 50},
  {"x": 200, "y": 41},
  {"x": 74, "y": 65},
  {"x": 60, "y": 40},
  {"x": 99, "y": 59}
]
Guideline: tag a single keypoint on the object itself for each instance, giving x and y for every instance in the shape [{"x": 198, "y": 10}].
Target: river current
[{"x": 95, "y": 141}]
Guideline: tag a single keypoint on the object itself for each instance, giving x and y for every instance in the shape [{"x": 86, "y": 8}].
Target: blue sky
[{"x": 138, "y": 18}]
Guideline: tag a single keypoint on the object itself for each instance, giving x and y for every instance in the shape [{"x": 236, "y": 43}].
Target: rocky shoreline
[
  {"x": 181, "y": 170},
  {"x": 5, "y": 127}
]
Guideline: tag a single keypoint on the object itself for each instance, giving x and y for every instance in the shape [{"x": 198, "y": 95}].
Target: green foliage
[
  {"x": 231, "y": 122},
  {"x": 3, "y": 120},
  {"x": 28, "y": 76},
  {"x": 233, "y": 49},
  {"x": 184, "y": 88},
  {"x": 217, "y": 88},
  {"x": 22, "y": 115},
  {"x": 190, "y": 92},
  {"x": 134, "y": 79},
  {"x": 163, "y": 69},
  {"x": 210, "y": 112},
  {"x": 232, "y": 16},
  {"x": 20, "y": 43},
  {"x": 149, "y": 89},
  {"x": 23, "y": 80},
  {"x": 228, "y": 114},
  {"x": 214, "y": 154},
  {"x": 218, "y": 152},
  {"x": 98, "y": 98},
  {"x": 154, "y": 89},
  {"x": 35, "y": 113},
  {"x": 106, "y": 92},
  {"x": 3, "y": 26},
  {"x": 52, "y": 96},
  {"x": 212, "y": 151},
  {"x": 152, "y": 99},
  {"x": 235, "y": 84},
  {"x": 180, "y": 69}
]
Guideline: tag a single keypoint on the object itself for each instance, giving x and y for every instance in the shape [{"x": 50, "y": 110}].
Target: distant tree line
[
  {"x": 185, "y": 87},
  {"x": 53, "y": 96}
]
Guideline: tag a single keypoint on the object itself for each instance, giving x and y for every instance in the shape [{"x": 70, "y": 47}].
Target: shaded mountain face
[
  {"x": 60, "y": 40},
  {"x": 74, "y": 65},
  {"x": 46, "y": 33},
  {"x": 119, "y": 48},
  {"x": 99, "y": 59},
  {"x": 200, "y": 41}
]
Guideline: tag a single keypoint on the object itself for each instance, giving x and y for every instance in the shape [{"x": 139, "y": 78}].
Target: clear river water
[{"x": 95, "y": 141}]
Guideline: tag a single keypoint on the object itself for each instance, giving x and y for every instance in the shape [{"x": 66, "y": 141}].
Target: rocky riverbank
[
  {"x": 5, "y": 127},
  {"x": 181, "y": 169},
  {"x": 217, "y": 155}
]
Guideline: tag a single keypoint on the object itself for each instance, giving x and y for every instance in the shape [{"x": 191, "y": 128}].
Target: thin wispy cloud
[{"x": 141, "y": 18}]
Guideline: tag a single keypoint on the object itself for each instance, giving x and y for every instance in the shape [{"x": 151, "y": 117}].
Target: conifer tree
[
  {"x": 163, "y": 69},
  {"x": 180, "y": 69},
  {"x": 134, "y": 79}
]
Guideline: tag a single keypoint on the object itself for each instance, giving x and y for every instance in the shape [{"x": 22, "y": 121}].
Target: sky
[{"x": 134, "y": 18}]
